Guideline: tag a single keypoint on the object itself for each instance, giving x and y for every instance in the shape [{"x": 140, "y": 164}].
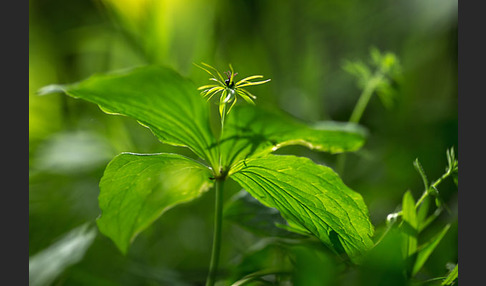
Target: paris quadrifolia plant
[{"x": 136, "y": 189}]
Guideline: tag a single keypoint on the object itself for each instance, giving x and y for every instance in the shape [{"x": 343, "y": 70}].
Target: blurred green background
[{"x": 301, "y": 46}]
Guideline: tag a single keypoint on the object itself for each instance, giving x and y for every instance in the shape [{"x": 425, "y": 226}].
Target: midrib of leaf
[
  {"x": 296, "y": 204},
  {"x": 305, "y": 202},
  {"x": 329, "y": 185},
  {"x": 282, "y": 199}
]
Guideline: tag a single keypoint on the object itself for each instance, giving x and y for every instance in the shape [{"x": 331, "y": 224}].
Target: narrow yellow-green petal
[
  {"x": 222, "y": 103},
  {"x": 217, "y": 72},
  {"x": 247, "y": 93},
  {"x": 254, "y": 83},
  {"x": 210, "y": 94},
  {"x": 234, "y": 101},
  {"x": 249, "y": 78},
  {"x": 232, "y": 73},
  {"x": 245, "y": 96},
  {"x": 206, "y": 86},
  {"x": 222, "y": 81}
]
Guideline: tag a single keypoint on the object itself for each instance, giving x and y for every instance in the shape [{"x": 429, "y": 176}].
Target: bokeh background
[{"x": 300, "y": 45}]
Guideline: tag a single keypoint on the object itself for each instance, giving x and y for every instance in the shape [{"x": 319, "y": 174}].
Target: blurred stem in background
[{"x": 387, "y": 69}]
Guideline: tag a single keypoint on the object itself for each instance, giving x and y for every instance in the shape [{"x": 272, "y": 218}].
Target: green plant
[
  {"x": 415, "y": 218},
  {"x": 375, "y": 77},
  {"x": 136, "y": 189}
]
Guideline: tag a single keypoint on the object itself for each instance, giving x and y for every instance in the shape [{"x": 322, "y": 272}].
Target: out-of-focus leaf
[
  {"x": 360, "y": 70},
  {"x": 312, "y": 196},
  {"x": 426, "y": 250},
  {"x": 248, "y": 212},
  {"x": 251, "y": 132},
  {"x": 383, "y": 265},
  {"x": 72, "y": 152},
  {"x": 313, "y": 268},
  {"x": 410, "y": 225},
  {"x": 452, "y": 276},
  {"x": 136, "y": 189},
  {"x": 377, "y": 76},
  {"x": 262, "y": 277},
  {"x": 422, "y": 213},
  {"x": 267, "y": 255},
  {"x": 157, "y": 97},
  {"x": 47, "y": 265}
]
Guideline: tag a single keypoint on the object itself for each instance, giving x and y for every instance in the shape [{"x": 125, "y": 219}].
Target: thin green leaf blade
[
  {"x": 426, "y": 250},
  {"x": 158, "y": 98},
  {"x": 420, "y": 170},
  {"x": 46, "y": 265},
  {"x": 136, "y": 189},
  {"x": 452, "y": 276},
  {"x": 422, "y": 213},
  {"x": 252, "y": 132},
  {"x": 311, "y": 196},
  {"x": 410, "y": 223}
]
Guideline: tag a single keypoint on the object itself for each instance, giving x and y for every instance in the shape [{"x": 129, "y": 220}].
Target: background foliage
[{"x": 302, "y": 46}]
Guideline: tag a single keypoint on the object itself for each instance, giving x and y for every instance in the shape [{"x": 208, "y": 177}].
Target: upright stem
[
  {"x": 358, "y": 110},
  {"x": 363, "y": 101},
  {"x": 218, "y": 209},
  {"x": 213, "y": 266}
]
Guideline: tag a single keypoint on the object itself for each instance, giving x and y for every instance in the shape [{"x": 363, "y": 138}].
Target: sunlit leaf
[
  {"x": 251, "y": 132},
  {"x": 422, "y": 213},
  {"x": 312, "y": 196},
  {"x": 452, "y": 276},
  {"x": 47, "y": 265},
  {"x": 136, "y": 189},
  {"x": 410, "y": 224},
  {"x": 157, "y": 97}
]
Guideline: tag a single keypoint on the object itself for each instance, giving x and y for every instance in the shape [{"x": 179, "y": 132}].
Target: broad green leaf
[
  {"x": 426, "y": 250},
  {"x": 251, "y": 132},
  {"x": 312, "y": 196},
  {"x": 136, "y": 189},
  {"x": 249, "y": 213},
  {"x": 452, "y": 276},
  {"x": 47, "y": 265},
  {"x": 410, "y": 224},
  {"x": 157, "y": 97}
]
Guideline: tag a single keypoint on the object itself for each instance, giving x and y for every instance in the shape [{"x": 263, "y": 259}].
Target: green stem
[
  {"x": 434, "y": 185},
  {"x": 358, "y": 110},
  {"x": 213, "y": 266},
  {"x": 364, "y": 98},
  {"x": 223, "y": 116}
]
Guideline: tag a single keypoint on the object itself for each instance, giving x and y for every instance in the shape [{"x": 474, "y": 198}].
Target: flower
[{"x": 228, "y": 88}]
